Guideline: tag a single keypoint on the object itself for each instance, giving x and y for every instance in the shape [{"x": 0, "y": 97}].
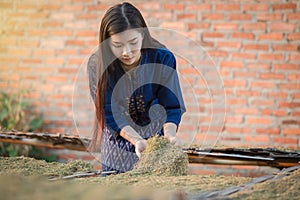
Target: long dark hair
[{"x": 117, "y": 19}]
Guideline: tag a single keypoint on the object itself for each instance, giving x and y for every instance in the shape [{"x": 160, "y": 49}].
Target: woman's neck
[{"x": 128, "y": 67}]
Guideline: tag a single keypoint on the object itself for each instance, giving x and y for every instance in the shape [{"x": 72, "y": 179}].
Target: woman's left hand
[
  {"x": 170, "y": 133},
  {"x": 174, "y": 140}
]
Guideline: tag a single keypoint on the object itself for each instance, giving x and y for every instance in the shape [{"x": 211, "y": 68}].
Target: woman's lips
[{"x": 127, "y": 59}]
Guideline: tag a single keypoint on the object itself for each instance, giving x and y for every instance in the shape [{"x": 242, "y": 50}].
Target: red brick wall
[{"x": 252, "y": 43}]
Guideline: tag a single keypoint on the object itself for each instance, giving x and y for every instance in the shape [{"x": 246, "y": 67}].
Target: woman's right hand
[{"x": 140, "y": 146}]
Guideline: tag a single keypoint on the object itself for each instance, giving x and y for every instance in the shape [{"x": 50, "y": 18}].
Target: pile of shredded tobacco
[
  {"x": 18, "y": 180},
  {"x": 162, "y": 158},
  {"x": 31, "y": 167}
]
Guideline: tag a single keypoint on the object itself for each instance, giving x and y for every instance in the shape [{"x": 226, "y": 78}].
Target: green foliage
[
  {"x": 38, "y": 154},
  {"x": 13, "y": 115},
  {"x": 14, "y": 150}
]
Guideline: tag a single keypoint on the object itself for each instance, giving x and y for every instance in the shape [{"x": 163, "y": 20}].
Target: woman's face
[{"x": 126, "y": 46}]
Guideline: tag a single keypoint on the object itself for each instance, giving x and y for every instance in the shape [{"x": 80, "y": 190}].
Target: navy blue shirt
[{"x": 132, "y": 97}]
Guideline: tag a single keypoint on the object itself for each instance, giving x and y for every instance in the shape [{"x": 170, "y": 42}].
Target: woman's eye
[
  {"x": 117, "y": 46},
  {"x": 133, "y": 43}
]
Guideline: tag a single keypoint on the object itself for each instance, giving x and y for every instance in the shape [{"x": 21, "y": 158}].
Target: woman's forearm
[
  {"x": 134, "y": 138},
  {"x": 130, "y": 134}
]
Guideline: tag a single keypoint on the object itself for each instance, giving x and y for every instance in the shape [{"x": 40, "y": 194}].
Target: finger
[
  {"x": 173, "y": 140},
  {"x": 176, "y": 141},
  {"x": 138, "y": 153}
]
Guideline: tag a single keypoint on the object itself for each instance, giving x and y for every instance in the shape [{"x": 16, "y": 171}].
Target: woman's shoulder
[
  {"x": 162, "y": 51},
  {"x": 161, "y": 55}
]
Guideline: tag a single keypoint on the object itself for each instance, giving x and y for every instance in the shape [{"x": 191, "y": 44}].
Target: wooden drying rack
[{"x": 222, "y": 156}]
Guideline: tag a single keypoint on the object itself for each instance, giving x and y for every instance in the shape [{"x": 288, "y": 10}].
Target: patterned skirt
[{"x": 117, "y": 153}]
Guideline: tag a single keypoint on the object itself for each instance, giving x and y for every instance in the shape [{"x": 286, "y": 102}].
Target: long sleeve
[
  {"x": 114, "y": 111},
  {"x": 114, "y": 120},
  {"x": 169, "y": 94},
  {"x": 92, "y": 74}
]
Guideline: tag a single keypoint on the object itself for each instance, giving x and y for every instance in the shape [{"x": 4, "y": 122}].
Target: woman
[{"x": 135, "y": 88}]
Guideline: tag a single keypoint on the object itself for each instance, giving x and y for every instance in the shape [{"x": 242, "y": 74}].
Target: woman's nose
[{"x": 126, "y": 50}]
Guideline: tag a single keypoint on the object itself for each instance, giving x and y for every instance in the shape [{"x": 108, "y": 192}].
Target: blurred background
[{"x": 254, "y": 46}]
